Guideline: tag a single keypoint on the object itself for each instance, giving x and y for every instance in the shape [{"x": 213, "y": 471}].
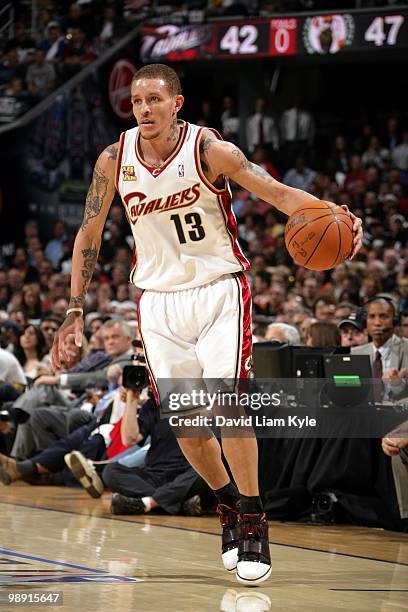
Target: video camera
[{"x": 135, "y": 376}]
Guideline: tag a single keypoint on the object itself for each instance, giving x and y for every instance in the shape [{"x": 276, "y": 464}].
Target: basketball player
[{"x": 195, "y": 308}]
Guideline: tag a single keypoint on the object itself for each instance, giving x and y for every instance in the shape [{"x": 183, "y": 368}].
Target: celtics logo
[{"x": 328, "y": 33}]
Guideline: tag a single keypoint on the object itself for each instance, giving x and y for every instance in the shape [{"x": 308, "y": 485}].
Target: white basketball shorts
[{"x": 203, "y": 332}]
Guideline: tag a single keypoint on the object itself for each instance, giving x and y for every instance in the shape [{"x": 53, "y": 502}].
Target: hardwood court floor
[{"x": 57, "y": 539}]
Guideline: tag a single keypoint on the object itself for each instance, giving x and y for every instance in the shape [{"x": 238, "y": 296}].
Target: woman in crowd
[
  {"x": 31, "y": 303},
  {"x": 323, "y": 334},
  {"x": 30, "y": 349}
]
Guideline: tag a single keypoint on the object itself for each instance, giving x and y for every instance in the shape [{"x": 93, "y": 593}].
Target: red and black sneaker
[
  {"x": 254, "y": 558},
  {"x": 230, "y": 534}
]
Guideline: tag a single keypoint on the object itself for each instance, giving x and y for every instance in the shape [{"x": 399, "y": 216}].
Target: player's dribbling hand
[
  {"x": 357, "y": 232},
  {"x": 73, "y": 324}
]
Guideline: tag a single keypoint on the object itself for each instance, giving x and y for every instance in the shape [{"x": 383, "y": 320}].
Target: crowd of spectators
[{"x": 34, "y": 63}]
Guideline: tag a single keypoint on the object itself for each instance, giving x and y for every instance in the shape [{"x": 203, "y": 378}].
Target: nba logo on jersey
[
  {"x": 128, "y": 173},
  {"x": 181, "y": 170}
]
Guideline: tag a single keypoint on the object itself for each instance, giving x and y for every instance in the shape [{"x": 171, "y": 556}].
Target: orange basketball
[{"x": 319, "y": 236}]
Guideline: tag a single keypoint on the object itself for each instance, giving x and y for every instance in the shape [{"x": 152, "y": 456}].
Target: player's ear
[{"x": 178, "y": 102}]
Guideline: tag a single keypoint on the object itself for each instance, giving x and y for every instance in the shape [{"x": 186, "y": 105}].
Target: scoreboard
[{"x": 319, "y": 35}]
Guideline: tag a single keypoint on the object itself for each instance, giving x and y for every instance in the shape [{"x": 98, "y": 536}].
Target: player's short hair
[{"x": 160, "y": 71}]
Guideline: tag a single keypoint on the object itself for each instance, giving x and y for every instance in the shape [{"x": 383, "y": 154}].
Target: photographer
[{"x": 166, "y": 480}]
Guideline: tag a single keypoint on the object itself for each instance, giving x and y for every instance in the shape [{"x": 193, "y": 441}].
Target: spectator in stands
[
  {"x": 323, "y": 334},
  {"x": 21, "y": 42},
  {"x": 12, "y": 377},
  {"x": 324, "y": 308},
  {"x": 343, "y": 311},
  {"x": 30, "y": 350},
  {"x": 78, "y": 52},
  {"x": 229, "y": 120},
  {"x": 90, "y": 434},
  {"x": 31, "y": 303},
  {"x": 27, "y": 271},
  {"x": 54, "y": 44},
  {"x": 259, "y": 157},
  {"x": 309, "y": 289},
  {"x": 10, "y": 67},
  {"x": 40, "y": 76},
  {"x": 76, "y": 20},
  {"x": 300, "y": 176},
  {"x": 261, "y": 129},
  {"x": 391, "y": 136},
  {"x": 375, "y": 153},
  {"x": 54, "y": 248},
  {"x": 391, "y": 261},
  {"x": 403, "y": 293},
  {"x": 352, "y": 330},
  {"x": 339, "y": 159},
  {"x": 297, "y": 133},
  {"x": 166, "y": 480},
  {"x": 282, "y": 332},
  {"x": 404, "y": 323},
  {"x": 356, "y": 172},
  {"x": 107, "y": 27}
]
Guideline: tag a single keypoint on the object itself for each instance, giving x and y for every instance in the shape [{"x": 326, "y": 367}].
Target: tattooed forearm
[
  {"x": 112, "y": 151},
  {"x": 76, "y": 300},
  {"x": 174, "y": 132},
  {"x": 95, "y": 197},
  {"x": 89, "y": 258}
]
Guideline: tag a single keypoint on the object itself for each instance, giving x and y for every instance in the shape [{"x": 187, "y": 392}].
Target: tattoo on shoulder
[
  {"x": 112, "y": 151},
  {"x": 96, "y": 195},
  {"x": 206, "y": 141}
]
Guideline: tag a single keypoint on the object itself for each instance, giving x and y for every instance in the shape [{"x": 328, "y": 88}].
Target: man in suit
[
  {"x": 261, "y": 129},
  {"x": 388, "y": 353}
]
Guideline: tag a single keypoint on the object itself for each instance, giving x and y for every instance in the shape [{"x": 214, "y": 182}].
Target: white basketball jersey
[{"x": 184, "y": 227}]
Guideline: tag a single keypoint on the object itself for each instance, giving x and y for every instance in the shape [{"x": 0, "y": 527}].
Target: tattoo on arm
[
  {"x": 95, "y": 197},
  {"x": 112, "y": 152},
  {"x": 253, "y": 168},
  {"x": 205, "y": 144},
  {"x": 206, "y": 141},
  {"x": 89, "y": 258}
]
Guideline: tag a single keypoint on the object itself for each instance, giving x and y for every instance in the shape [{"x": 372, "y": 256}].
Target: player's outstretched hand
[
  {"x": 357, "y": 231},
  {"x": 73, "y": 324}
]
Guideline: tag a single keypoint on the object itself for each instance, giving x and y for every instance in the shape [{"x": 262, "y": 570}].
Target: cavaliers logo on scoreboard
[
  {"x": 328, "y": 34},
  {"x": 128, "y": 173}
]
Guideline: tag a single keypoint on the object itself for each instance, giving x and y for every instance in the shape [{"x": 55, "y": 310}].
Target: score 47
[{"x": 378, "y": 32}]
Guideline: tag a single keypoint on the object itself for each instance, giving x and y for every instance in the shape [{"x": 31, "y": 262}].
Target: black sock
[
  {"x": 227, "y": 495},
  {"x": 251, "y": 505},
  {"x": 26, "y": 468}
]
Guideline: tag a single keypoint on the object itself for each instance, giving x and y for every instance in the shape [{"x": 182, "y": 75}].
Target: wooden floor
[{"x": 59, "y": 540}]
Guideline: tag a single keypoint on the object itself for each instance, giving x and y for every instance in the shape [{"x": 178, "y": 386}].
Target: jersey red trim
[
  {"x": 246, "y": 325},
  {"x": 197, "y": 160},
  {"x": 155, "y": 172},
  {"x": 119, "y": 160},
  {"x": 225, "y": 204}
]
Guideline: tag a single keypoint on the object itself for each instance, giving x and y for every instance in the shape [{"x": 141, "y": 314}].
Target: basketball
[{"x": 319, "y": 236}]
